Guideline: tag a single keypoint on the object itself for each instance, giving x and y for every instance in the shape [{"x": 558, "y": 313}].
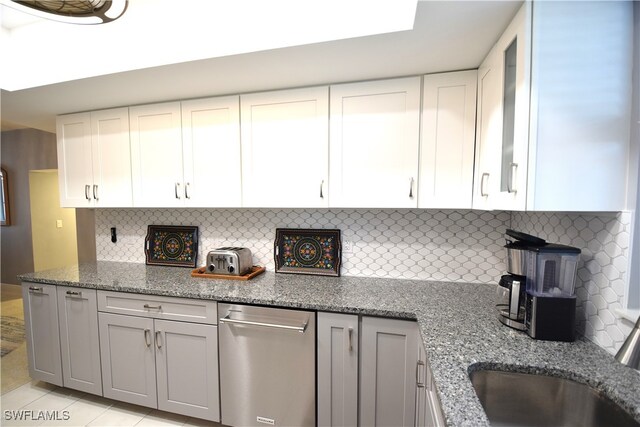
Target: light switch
[{"x": 58, "y": 223}]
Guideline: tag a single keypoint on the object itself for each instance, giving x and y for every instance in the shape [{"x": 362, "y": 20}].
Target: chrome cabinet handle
[
  {"x": 74, "y": 294},
  {"x": 147, "y": 337},
  {"x": 177, "y": 188},
  {"x": 35, "y": 289},
  {"x": 300, "y": 329},
  {"x": 511, "y": 188},
  {"x": 482, "y": 181},
  {"x": 418, "y": 382},
  {"x": 86, "y": 192},
  {"x": 321, "y": 185},
  {"x": 95, "y": 191},
  {"x": 186, "y": 190},
  {"x": 411, "y": 188},
  {"x": 152, "y": 307},
  {"x": 350, "y": 339},
  {"x": 158, "y": 344}
]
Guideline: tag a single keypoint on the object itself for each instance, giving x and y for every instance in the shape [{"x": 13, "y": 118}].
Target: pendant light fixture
[{"x": 71, "y": 11}]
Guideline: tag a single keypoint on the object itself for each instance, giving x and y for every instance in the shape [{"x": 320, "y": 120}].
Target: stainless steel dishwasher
[{"x": 267, "y": 366}]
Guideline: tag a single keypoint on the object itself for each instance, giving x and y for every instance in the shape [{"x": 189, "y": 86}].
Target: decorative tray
[
  {"x": 171, "y": 245},
  {"x": 202, "y": 272},
  {"x": 308, "y": 251}
]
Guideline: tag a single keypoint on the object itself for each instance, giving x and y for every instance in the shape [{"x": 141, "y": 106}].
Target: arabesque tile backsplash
[{"x": 461, "y": 246}]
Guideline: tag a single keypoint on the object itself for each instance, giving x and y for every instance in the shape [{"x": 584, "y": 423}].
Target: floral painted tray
[
  {"x": 171, "y": 245},
  {"x": 308, "y": 251}
]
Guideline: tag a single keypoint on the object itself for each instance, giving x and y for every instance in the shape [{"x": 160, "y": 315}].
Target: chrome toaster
[{"x": 229, "y": 260}]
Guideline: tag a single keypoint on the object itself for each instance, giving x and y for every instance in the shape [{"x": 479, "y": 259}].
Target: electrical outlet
[
  {"x": 347, "y": 247},
  {"x": 58, "y": 223}
]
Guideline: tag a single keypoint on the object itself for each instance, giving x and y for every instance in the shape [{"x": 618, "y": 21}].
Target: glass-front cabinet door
[
  {"x": 502, "y": 134},
  {"x": 514, "y": 52}
]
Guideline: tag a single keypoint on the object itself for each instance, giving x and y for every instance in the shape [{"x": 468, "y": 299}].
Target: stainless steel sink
[{"x": 517, "y": 399}]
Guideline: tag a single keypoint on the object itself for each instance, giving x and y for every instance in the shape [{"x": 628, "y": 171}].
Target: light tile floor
[{"x": 82, "y": 410}]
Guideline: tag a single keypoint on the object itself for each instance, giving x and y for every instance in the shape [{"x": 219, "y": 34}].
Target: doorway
[{"x": 53, "y": 229}]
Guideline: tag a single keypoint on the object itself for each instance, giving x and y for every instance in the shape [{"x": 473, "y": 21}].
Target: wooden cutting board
[{"x": 202, "y": 272}]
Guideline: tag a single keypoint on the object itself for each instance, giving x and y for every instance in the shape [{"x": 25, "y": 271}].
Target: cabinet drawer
[{"x": 157, "y": 307}]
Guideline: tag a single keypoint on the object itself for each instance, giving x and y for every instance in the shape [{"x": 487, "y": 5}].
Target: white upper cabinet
[
  {"x": 580, "y": 105},
  {"x": 447, "y": 140},
  {"x": 183, "y": 153},
  {"x": 111, "y": 150},
  {"x": 553, "y": 131},
  {"x": 94, "y": 159},
  {"x": 285, "y": 148},
  {"x": 374, "y": 144},
  {"x": 75, "y": 165},
  {"x": 487, "y": 123},
  {"x": 156, "y": 155},
  {"x": 211, "y": 150},
  {"x": 502, "y": 142}
]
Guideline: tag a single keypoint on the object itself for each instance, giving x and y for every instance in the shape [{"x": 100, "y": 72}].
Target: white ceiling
[{"x": 447, "y": 35}]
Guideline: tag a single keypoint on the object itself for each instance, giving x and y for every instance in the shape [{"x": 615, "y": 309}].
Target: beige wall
[
  {"x": 23, "y": 150},
  {"x": 53, "y": 229}
]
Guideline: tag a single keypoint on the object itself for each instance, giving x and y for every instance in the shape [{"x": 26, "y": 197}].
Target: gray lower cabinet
[
  {"x": 80, "y": 346},
  {"x": 388, "y": 363},
  {"x": 128, "y": 359},
  {"x": 428, "y": 411},
  {"x": 41, "y": 328},
  {"x": 337, "y": 336},
  {"x": 165, "y": 364},
  {"x": 187, "y": 368}
]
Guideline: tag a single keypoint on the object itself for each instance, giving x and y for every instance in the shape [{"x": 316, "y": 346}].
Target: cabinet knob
[
  {"x": 186, "y": 190},
  {"x": 95, "y": 191},
  {"x": 86, "y": 192},
  {"x": 147, "y": 337},
  {"x": 177, "y": 189}
]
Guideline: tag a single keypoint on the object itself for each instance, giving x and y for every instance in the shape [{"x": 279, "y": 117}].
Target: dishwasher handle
[{"x": 300, "y": 329}]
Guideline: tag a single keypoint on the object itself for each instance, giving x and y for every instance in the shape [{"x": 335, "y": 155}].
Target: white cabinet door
[
  {"x": 111, "y": 154},
  {"x": 337, "y": 369},
  {"x": 447, "y": 140},
  {"x": 374, "y": 144},
  {"x": 513, "y": 52},
  {"x": 487, "y": 131},
  {"x": 211, "y": 146},
  {"x": 156, "y": 155},
  {"x": 388, "y": 363},
  {"x": 127, "y": 345},
  {"x": 285, "y": 148},
  {"x": 187, "y": 369},
  {"x": 502, "y": 144},
  {"x": 75, "y": 165},
  {"x": 41, "y": 328},
  {"x": 78, "y": 316}
]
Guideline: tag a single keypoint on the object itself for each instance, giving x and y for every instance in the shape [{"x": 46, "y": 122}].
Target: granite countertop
[{"x": 457, "y": 321}]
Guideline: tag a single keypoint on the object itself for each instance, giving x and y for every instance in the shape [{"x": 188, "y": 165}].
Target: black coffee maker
[{"x": 537, "y": 296}]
